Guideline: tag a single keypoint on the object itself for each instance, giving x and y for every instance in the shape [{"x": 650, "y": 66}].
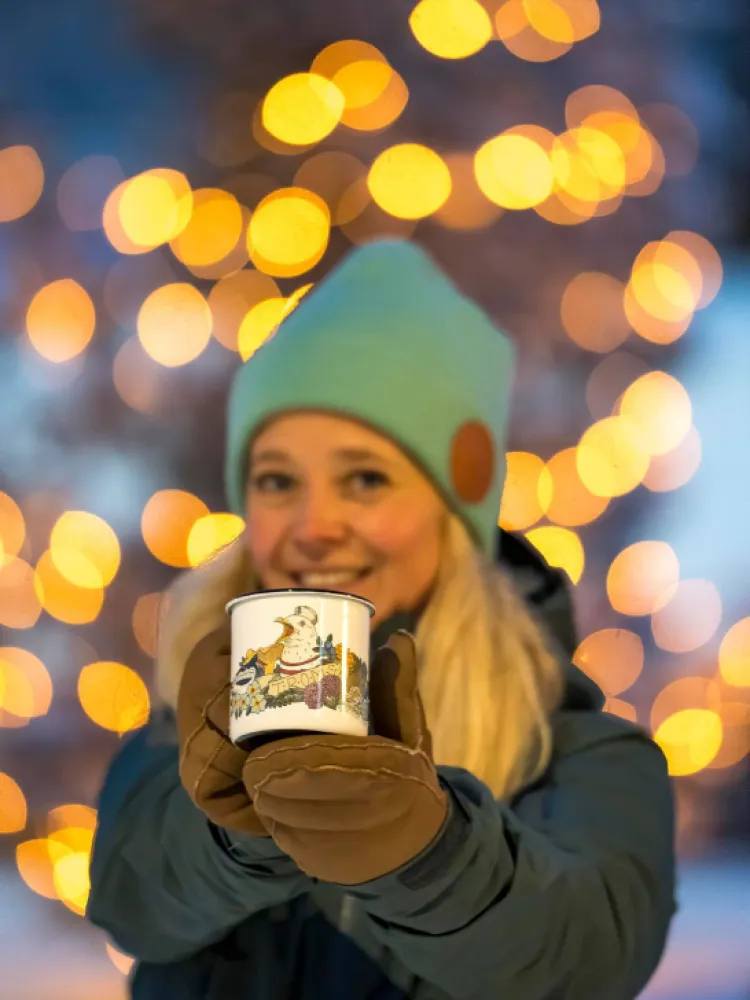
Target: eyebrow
[{"x": 348, "y": 454}]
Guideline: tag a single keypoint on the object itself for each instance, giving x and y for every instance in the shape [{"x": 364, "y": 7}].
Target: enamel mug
[{"x": 300, "y": 664}]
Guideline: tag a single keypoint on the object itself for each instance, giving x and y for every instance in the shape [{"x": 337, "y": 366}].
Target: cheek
[
  {"x": 398, "y": 532},
  {"x": 264, "y": 529}
]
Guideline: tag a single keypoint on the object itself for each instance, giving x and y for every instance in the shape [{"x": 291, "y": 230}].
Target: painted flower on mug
[{"x": 257, "y": 702}]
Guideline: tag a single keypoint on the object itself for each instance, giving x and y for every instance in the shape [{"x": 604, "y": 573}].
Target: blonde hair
[{"x": 488, "y": 680}]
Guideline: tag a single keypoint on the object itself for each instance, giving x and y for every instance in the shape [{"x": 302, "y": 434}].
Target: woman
[{"x": 497, "y": 835}]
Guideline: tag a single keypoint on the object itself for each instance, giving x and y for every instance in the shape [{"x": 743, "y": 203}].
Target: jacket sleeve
[
  {"x": 568, "y": 896},
  {"x": 164, "y": 881}
]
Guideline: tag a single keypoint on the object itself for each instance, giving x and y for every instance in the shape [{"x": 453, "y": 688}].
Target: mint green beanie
[{"x": 387, "y": 339}]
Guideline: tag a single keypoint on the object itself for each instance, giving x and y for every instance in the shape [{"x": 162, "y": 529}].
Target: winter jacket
[{"x": 565, "y": 893}]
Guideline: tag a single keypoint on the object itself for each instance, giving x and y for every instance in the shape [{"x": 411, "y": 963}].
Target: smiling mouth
[{"x": 330, "y": 579}]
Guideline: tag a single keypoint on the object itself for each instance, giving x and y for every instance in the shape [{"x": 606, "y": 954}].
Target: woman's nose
[{"x": 319, "y": 526}]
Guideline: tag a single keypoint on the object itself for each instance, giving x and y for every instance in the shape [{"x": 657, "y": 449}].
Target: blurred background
[{"x": 174, "y": 176}]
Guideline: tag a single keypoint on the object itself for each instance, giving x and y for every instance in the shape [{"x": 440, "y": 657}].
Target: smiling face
[{"x": 333, "y": 505}]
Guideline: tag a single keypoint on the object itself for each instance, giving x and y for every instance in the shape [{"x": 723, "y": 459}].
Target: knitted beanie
[{"x": 387, "y": 339}]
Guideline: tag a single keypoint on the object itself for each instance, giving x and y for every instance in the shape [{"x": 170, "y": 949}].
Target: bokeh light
[
  {"x": 167, "y": 520},
  {"x": 123, "y": 963},
  {"x": 612, "y": 657},
  {"x": 262, "y": 321},
  {"x": 26, "y": 686},
  {"x": 685, "y": 693},
  {"x": 612, "y": 458},
  {"x": 330, "y": 175},
  {"x": 209, "y": 534},
  {"x": 563, "y": 496},
  {"x": 451, "y": 29},
  {"x": 661, "y": 408},
  {"x": 609, "y": 379},
  {"x": 21, "y": 181},
  {"x": 84, "y": 549},
  {"x": 514, "y": 171},
  {"x": 288, "y": 232},
  {"x": 521, "y": 504},
  {"x": 519, "y": 36},
  {"x": 174, "y": 324},
  {"x": 302, "y": 109},
  {"x": 83, "y": 190},
  {"x": 232, "y": 298},
  {"x": 19, "y": 604},
  {"x": 643, "y": 578},
  {"x": 12, "y": 528},
  {"x": 13, "y": 808},
  {"x": 673, "y": 469},
  {"x": 136, "y": 376},
  {"x": 561, "y": 547},
  {"x": 690, "y": 740},
  {"x": 735, "y": 744},
  {"x": 145, "y": 621},
  {"x": 214, "y": 229},
  {"x": 467, "y": 207},
  {"x": 734, "y": 654},
  {"x": 592, "y": 312},
  {"x": 62, "y": 599},
  {"x": 409, "y": 181},
  {"x": 690, "y": 618},
  {"x": 113, "y": 696},
  {"x": 374, "y": 93},
  {"x": 61, "y": 320},
  {"x": 36, "y": 868},
  {"x": 563, "y": 21},
  {"x": 155, "y": 206}
]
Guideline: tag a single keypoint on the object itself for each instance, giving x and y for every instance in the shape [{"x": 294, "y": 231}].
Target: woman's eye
[
  {"x": 272, "y": 482},
  {"x": 367, "y": 479}
]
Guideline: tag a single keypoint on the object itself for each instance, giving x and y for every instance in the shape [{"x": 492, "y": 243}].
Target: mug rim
[{"x": 337, "y": 594}]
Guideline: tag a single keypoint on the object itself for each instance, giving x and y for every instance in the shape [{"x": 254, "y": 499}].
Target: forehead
[{"x": 308, "y": 433}]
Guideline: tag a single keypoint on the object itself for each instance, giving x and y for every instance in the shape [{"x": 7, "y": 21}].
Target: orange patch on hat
[{"x": 472, "y": 461}]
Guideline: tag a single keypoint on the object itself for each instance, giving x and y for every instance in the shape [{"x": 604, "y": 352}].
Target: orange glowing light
[
  {"x": 174, "y": 324},
  {"x": 690, "y": 619},
  {"x": 409, "y": 181},
  {"x": 19, "y": 604},
  {"x": 145, "y": 621},
  {"x": 61, "y": 320},
  {"x": 674, "y": 468},
  {"x": 84, "y": 549},
  {"x": 467, "y": 206},
  {"x": 521, "y": 505},
  {"x": 232, "y": 298},
  {"x": 289, "y": 232},
  {"x": 210, "y": 534},
  {"x": 26, "y": 686},
  {"x": 62, "y": 599},
  {"x": 612, "y": 458},
  {"x": 661, "y": 408},
  {"x": 514, "y": 171},
  {"x": 302, "y": 109},
  {"x": 13, "y": 810},
  {"x": 560, "y": 547},
  {"x": 563, "y": 496},
  {"x": 113, "y": 696},
  {"x": 36, "y": 868},
  {"x": 690, "y": 740},
  {"x": 734, "y": 654},
  {"x": 213, "y": 231},
  {"x": 643, "y": 578},
  {"x": 451, "y": 29},
  {"x": 612, "y": 657},
  {"x": 518, "y": 35},
  {"x": 167, "y": 520},
  {"x": 21, "y": 181},
  {"x": 592, "y": 312},
  {"x": 152, "y": 208},
  {"x": 12, "y": 528}
]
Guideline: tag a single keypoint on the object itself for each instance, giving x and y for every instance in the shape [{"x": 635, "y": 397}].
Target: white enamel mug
[{"x": 300, "y": 663}]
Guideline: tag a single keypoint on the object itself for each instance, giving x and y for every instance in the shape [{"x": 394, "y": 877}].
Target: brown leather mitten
[
  {"x": 210, "y": 765},
  {"x": 349, "y": 809}
]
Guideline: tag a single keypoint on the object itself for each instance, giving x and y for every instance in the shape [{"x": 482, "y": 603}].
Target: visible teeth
[{"x": 323, "y": 580}]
